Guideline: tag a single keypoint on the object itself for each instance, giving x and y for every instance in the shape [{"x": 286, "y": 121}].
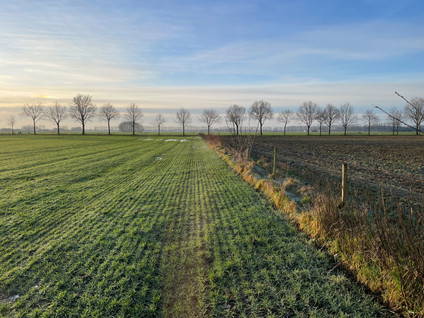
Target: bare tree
[
  {"x": 396, "y": 116},
  {"x": 371, "y": 118},
  {"x": 133, "y": 115},
  {"x": 401, "y": 121},
  {"x": 285, "y": 116},
  {"x": 108, "y": 112},
  {"x": 158, "y": 121},
  {"x": 347, "y": 117},
  {"x": 307, "y": 113},
  {"x": 183, "y": 118},
  {"x": 261, "y": 111},
  {"x": 235, "y": 115},
  {"x": 209, "y": 117},
  {"x": 331, "y": 115},
  {"x": 320, "y": 119},
  {"x": 414, "y": 110},
  {"x": 35, "y": 112},
  {"x": 57, "y": 114},
  {"x": 12, "y": 121},
  {"x": 82, "y": 110}
]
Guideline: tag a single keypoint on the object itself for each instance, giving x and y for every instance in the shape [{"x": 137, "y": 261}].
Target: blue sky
[{"x": 198, "y": 54}]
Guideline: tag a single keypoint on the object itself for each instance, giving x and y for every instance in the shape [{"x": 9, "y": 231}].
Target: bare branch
[
  {"x": 35, "y": 112},
  {"x": 331, "y": 115},
  {"x": 11, "y": 121},
  {"x": 209, "y": 117},
  {"x": 158, "y": 121},
  {"x": 347, "y": 116},
  {"x": 235, "y": 115},
  {"x": 371, "y": 118},
  {"x": 108, "y": 112},
  {"x": 82, "y": 110},
  {"x": 133, "y": 115},
  {"x": 398, "y": 119},
  {"x": 57, "y": 113},
  {"x": 261, "y": 111},
  {"x": 307, "y": 113},
  {"x": 183, "y": 118},
  {"x": 414, "y": 109},
  {"x": 285, "y": 116},
  {"x": 407, "y": 101}
]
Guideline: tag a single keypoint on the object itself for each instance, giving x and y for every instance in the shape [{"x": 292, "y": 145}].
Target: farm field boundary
[
  {"x": 117, "y": 226},
  {"x": 379, "y": 241}
]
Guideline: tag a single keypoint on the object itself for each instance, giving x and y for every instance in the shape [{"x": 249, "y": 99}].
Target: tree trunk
[
  {"x": 35, "y": 132},
  {"x": 417, "y": 129},
  {"x": 208, "y": 129},
  {"x": 308, "y": 130},
  {"x": 320, "y": 127},
  {"x": 345, "y": 130},
  {"x": 285, "y": 129},
  {"x": 108, "y": 127},
  {"x": 329, "y": 130},
  {"x": 260, "y": 128},
  {"x": 158, "y": 130},
  {"x": 58, "y": 131},
  {"x": 183, "y": 130},
  {"x": 83, "y": 127}
]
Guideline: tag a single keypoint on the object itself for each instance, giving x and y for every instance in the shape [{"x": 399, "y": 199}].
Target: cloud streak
[{"x": 167, "y": 54}]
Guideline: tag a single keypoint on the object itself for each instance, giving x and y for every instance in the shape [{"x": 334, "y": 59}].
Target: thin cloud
[{"x": 376, "y": 42}]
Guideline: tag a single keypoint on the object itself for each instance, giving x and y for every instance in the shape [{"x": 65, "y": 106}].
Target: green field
[{"x": 120, "y": 226}]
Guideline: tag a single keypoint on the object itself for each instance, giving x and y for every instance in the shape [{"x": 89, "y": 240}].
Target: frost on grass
[
  {"x": 13, "y": 298},
  {"x": 190, "y": 239},
  {"x": 180, "y": 140}
]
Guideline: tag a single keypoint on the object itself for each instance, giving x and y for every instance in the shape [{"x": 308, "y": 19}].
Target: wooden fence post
[
  {"x": 344, "y": 183},
  {"x": 275, "y": 162}
]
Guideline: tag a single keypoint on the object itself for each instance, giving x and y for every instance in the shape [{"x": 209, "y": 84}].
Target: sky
[{"x": 164, "y": 54}]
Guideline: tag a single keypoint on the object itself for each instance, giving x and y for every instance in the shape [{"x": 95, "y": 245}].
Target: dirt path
[{"x": 185, "y": 261}]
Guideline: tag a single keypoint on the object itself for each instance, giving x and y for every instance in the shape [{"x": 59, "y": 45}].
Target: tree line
[
  {"x": 309, "y": 112},
  {"x": 82, "y": 110}
]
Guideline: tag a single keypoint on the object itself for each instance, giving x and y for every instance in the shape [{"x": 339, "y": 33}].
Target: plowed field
[{"x": 394, "y": 163}]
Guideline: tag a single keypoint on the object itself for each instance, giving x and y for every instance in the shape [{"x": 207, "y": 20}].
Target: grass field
[{"x": 120, "y": 226}]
